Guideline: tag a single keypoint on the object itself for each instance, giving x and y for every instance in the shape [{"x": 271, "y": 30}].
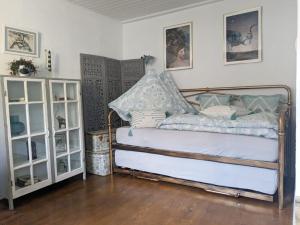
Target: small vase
[{"x": 17, "y": 127}]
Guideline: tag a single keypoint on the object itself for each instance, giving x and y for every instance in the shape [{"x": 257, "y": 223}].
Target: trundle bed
[{"x": 230, "y": 164}]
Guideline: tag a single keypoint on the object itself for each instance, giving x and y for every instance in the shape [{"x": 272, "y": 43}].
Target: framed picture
[
  {"x": 178, "y": 49},
  {"x": 20, "y": 42},
  {"x": 242, "y": 37}
]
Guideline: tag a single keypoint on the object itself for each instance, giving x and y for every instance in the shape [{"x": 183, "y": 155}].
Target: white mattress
[
  {"x": 242, "y": 177},
  {"x": 228, "y": 175},
  {"x": 230, "y": 145}
]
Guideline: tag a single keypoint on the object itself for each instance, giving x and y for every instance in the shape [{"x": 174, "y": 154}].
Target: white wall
[
  {"x": 279, "y": 34},
  {"x": 279, "y": 30},
  {"x": 298, "y": 114},
  {"x": 66, "y": 29}
]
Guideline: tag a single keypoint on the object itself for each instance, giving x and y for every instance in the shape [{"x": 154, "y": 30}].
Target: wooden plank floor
[{"x": 123, "y": 200}]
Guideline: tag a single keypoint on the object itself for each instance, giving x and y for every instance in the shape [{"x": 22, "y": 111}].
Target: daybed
[{"x": 230, "y": 164}]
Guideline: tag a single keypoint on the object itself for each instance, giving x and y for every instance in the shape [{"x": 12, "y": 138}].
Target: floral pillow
[
  {"x": 167, "y": 79},
  {"x": 149, "y": 94}
]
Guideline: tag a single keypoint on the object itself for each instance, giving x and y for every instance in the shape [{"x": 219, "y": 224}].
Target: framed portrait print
[
  {"x": 178, "y": 49},
  {"x": 20, "y": 42},
  {"x": 242, "y": 37}
]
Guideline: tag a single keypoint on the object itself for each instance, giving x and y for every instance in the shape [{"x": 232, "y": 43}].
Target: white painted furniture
[
  {"x": 38, "y": 151},
  {"x": 67, "y": 138}
]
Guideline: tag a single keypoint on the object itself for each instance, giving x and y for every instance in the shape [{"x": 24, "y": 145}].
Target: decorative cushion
[
  {"x": 148, "y": 94},
  {"x": 141, "y": 119},
  {"x": 220, "y": 111},
  {"x": 240, "y": 110},
  {"x": 262, "y": 103},
  {"x": 209, "y": 100},
  {"x": 167, "y": 79}
]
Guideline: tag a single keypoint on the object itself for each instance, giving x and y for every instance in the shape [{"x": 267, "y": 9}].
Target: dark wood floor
[{"x": 123, "y": 200}]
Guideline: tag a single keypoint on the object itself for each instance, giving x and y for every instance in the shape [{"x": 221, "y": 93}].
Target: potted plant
[{"x": 22, "y": 67}]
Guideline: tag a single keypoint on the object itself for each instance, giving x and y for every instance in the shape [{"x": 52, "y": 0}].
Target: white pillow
[
  {"x": 220, "y": 111},
  {"x": 141, "y": 119},
  {"x": 241, "y": 111}
]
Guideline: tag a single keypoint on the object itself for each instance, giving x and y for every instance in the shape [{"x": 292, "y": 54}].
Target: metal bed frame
[{"x": 283, "y": 121}]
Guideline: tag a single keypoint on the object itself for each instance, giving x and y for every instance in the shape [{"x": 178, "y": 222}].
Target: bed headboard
[{"x": 218, "y": 90}]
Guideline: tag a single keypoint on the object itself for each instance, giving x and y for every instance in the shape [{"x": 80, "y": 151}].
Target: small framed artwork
[
  {"x": 178, "y": 49},
  {"x": 242, "y": 37},
  {"x": 20, "y": 42}
]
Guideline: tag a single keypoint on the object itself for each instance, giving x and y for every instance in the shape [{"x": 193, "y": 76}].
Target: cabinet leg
[
  {"x": 11, "y": 204},
  {"x": 83, "y": 176}
]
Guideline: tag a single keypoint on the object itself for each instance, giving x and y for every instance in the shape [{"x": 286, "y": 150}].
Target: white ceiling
[{"x": 126, "y": 10}]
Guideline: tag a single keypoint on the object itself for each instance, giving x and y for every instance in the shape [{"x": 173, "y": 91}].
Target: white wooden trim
[
  {"x": 67, "y": 130},
  {"x": 19, "y": 192}
]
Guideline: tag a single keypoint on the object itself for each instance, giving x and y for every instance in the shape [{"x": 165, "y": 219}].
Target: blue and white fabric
[
  {"x": 142, "y": 119},
  {"x": 209, "y": 100},
  {"x": 262, "y": 124},
  {"x": 149, "y": 93},
  {"x": 262, "y": 103}
]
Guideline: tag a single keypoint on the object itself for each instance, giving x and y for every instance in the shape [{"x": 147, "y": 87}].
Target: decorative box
[
  {"x": 97, "y": 163},
  {"x": 98, "y": 141}
]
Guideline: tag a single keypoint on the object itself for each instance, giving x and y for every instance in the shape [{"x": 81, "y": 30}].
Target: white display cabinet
[
  {"x": 44, "y": 133},
  {"x": 67, "y": 128}
]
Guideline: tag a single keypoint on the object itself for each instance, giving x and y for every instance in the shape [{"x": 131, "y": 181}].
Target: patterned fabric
[
  {"x": 262, "y": 103},
  {"x": 148, "y": 94},
  {"x": 209, "y": 100},
  {"x": 220, "y": 111},
  {"x": 167, "y": 79},
  {"x": 146, "y": 118},
  {"x": 259, "y": 124}
]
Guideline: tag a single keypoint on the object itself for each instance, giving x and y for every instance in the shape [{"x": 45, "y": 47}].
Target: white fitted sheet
[
  {"x": 228, "y": 175},
  {"x": 229, "y": 145}
]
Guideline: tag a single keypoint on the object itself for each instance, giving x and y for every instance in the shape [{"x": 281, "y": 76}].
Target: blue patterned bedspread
[{"x": 262, "y": 124}]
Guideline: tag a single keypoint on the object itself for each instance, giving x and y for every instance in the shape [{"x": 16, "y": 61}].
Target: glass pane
[
  {"x": 62, "y": 165},
  {"x": 75, "y": 161},
  {"x": 59, "y": 116},
  {"x": 40, "y": 172},
  {"x": 34, "y": 91},
  {"x": 38, "y": 148},
  {"x": 60, "y": 143},
  {"x": 58, "y": 92},
  {"x": 18, "y": 123},
  {"x": 20, "y": 152},
  {"x": 73, "y": 114},
  {"x": 15, "y": 91},
  {"x": 71, "y": 92},
  {"x": 36, "y": 118},
  {"x": 74, "y": 140},
  {"x": 22, "y": 177}
]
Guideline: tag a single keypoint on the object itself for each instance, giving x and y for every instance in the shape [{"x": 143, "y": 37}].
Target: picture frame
[
  {"x": 20, "y": 42},
  {"x": 243, "y": 36},
  {"x": 178, "y": 46}
]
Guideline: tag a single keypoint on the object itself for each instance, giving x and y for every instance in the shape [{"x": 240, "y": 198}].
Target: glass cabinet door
[
  {"x": 66, "y": 126},
  {"x": 26, "y": 114}
]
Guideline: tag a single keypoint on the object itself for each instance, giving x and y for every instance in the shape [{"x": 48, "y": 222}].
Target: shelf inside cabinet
[
  {"x": 15, "y": 91},
  {"x": 22, "y": 178}
]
